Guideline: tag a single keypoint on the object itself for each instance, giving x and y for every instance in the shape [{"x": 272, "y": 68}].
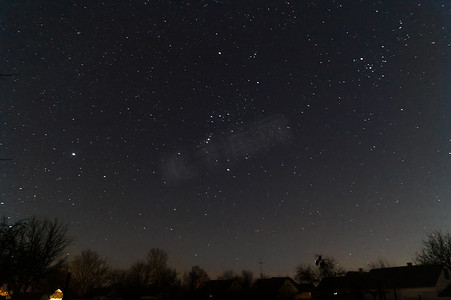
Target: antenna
[{"x": 260, "y": 262}]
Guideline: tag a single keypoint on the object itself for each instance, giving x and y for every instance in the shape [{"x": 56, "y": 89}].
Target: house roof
[
  {"x": 359, "y": 277},
  {"x": 405, "y": 277},
  {"x": 349, "y": 283}
]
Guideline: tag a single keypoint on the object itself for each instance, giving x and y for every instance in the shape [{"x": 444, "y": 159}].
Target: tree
[
  {"x": 436, "y": 249},
  {"x": 196, "y": 277},
  {"x": 246, "y": 279},
  {"x": 168, "y": 278},
  {"x": 157, "y": 263},
  {"x": 30, "y": 250},
  {"x": 307, "y": 274},
  {"x": 139, "y": 275},
  {"x": 228, "y": 275},
  {"x": 89, "y": 271},
  {"x": 119, "y": 278},
  {"x": 153, "y": 271},
  {"x": 379, "y": 264},
  {"x": 324, "y": 267}
]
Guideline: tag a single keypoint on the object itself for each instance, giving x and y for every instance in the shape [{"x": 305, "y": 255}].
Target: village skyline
[{"x": 33, "y": 258}]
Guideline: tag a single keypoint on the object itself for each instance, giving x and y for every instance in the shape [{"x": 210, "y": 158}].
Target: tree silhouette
[
  {"x": 30, "y": 250},
  {"x": 139, "y": 275},
  {"x": 228, "y": 275},
  {"x": 154, "y": 270},
  {"x": 379, "y": 264},
  {"x": 89, "y": 271},
  {"x": 157, "y": 263},
  {"x": 324, "y": 267},
  {"x": 246, "y": 279},
  {"x": 436, "y": 249},
  {"x": 196, "y": 277}
]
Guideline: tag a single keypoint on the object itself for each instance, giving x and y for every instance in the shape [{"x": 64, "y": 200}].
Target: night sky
[{"x": 229, "y": 131}]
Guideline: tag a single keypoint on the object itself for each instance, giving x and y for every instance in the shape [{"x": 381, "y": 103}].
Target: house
[
  {"x": 422, "y": 282},
  {"x": 56, "y": 295},
  {"x": 305, "y": 291},
  {"x": 275, "y": 288},
  {"x": 220, "y": 289},
  {"x": 4, "y": 294},
  {"x": 348, "y": 287}
]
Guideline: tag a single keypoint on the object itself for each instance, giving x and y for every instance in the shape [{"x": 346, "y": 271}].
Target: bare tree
[
  {"x": 246, "y": 279},
  {"x": 157, "y": 262},
  {"x": 154, "y": 270},
  {"x": 307, "y": 274},
  {"x": 379, "y": 264},
  {"x": 168, "y": 278},
  {"x": 139, "y": 275},
  {"x": 228, "y": 275},
  {"x": 119, "y": 278},
  {"x": 30, "y": 250},
  {"x": 324, "y": 267},
  {"x": 436, "y": 249},
  {"x": 89, "y": 271},
  {"x": 195, "y": 277}
]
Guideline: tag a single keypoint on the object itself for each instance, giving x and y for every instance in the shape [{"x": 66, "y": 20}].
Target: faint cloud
[{"x": 242, "y": 143}]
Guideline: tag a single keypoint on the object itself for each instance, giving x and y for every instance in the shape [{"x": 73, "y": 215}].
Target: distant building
[
  {"x": 422, "y": 282},
  {"x": 57, "y": 295},
  {"x": 349, "y": 287},
  {"x": 305, "y": 291},
  {"x": 276, "y": 288}
]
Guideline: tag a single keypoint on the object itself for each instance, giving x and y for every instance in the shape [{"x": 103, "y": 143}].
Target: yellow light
[
  {"x": 4, "y": 293},
  {"x": 57, "y": 295}
]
